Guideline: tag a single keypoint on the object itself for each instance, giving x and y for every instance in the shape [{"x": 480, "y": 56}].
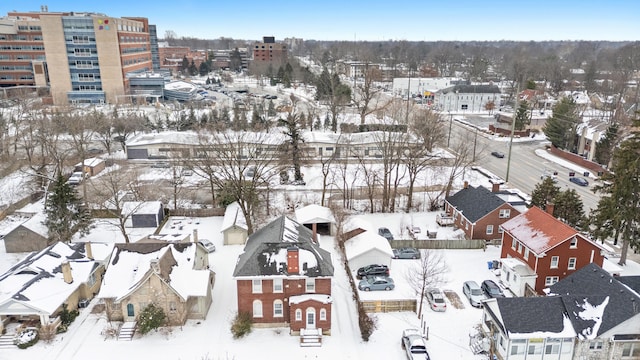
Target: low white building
[
  {"x": 467, "y": 98},
  {"x": 420, "y": 85}
]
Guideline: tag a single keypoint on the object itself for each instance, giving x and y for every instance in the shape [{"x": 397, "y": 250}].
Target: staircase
[
  {"x": 479, "y": 345},
  {"x": 127, "y": 330},
  {"x": 310, "y": 337},
  {"x": 6, "y": 342}
]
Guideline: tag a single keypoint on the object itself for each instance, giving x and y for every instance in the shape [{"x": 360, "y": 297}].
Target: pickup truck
[{"x": 414, "y": 345}]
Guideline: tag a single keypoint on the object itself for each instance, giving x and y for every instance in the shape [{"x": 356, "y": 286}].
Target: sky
[{"x": 373, "y": 20}]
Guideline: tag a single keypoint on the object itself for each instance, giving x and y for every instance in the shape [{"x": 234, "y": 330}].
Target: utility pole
[
  {"x": 513, "y": 129},
  {"x": 450, "y": 125}
]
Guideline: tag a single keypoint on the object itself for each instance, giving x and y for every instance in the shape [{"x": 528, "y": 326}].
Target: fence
[
  {"x": 197, "y": 212},
  {"x": 439, "y": 244},
  {"x": 383, "y": 306}
]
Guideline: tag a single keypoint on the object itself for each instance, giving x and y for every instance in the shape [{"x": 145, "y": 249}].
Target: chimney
[
  {"x": 66, "y": 272},
  {"x": 466, "y": 184},
  {"x": 155, "y": 265},
  {"x": 293, "y": 264},
  {"x": 495, "y": 187},
  {"x": 195, "y": 235},
  {"x": 88, "y": 251},
  {"x": 549, "y": 207},
  {"x": 314, "y": 228}
]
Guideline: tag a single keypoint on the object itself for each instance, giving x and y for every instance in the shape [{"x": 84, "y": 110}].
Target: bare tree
[
  {"x": 326, "y": 164},
  {"x": 371, "y": 178},
  {"x": 428, "y": 273},
  {"x": 368, "y": 98}
]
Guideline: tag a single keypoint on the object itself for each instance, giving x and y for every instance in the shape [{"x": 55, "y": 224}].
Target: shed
[
  {"x": 31, "y": 235},
  {"x": 234, "y": 225},
  {"x": 317, "y": 218},
  {"x": 367, "y": 248},
  {"x": 92, "y": 166},
  {"x": 139, "y": 214}
]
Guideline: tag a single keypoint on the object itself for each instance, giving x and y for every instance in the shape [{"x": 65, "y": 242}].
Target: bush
[
  {"x": 67, "y": 317},
  {"x": 242, "y": 325},
  {"x": 151, "y": 318},
  {"x": 27, "y": 338}
]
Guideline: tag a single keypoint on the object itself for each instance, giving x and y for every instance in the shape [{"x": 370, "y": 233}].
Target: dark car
[
  {"x": 385, "y": 233},
  {"x": 492, "y": 289},
  {"x": 406, "y": 253},
  {"x": 497, "y": 154},
  {"x": 374, "y": 269},
  {"x": 580, "y": 181}
]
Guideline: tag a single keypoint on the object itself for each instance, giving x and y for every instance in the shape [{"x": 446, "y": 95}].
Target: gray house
[{"x": 31, "y": 235}]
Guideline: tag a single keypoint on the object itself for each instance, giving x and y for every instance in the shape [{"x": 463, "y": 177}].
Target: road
[{"x": 525, "y": 167}]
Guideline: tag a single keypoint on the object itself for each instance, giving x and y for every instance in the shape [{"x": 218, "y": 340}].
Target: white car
[
  {"x": 435, "y": 297},
  {"x": 76, "y": 178},
  {"x": 208, "y": 245}
]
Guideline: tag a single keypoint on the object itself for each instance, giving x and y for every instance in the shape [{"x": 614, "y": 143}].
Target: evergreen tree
[
  {"x": 203, "y": 69},
  {"x": 560, "y": 128},
  {"x": 193, "y": 69},
  {"x": 184, "y": 68},
  {"x": 544, "y": 193},
  {"x": 523, "y": 116},
  {"x": 151, "y": 318},
  {"x": 617, "y": 213},
  {"x": 271, "y": 110},
  {"x": 604, "y": 147},
  {"x": 66, "y": 213},
  {"x": 568, "y": 207},
  {"x": 293, "y": 146},
  {"x": 531, "y": 85}
]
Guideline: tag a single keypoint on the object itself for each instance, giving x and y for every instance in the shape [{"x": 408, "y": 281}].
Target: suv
[
  {"x": 472, "y": 291},
  {"x": 385, "y": 233},
  {"x": 76, "y": 178},
  {"x": 374, "y": 269},
  {"x": 492, "y": 289}
]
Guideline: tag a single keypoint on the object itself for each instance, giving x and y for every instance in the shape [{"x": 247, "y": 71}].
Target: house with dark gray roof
[
  {"x": 524, "y": 326},
  {"x": 479, "y": 212},
  {"x": 604, "y": 311},
  {"x": 283, "y": 278}
]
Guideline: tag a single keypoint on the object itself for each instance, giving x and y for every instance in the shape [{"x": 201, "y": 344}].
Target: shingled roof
[
  {"x": 538, "y": 230},
  {"x": 266, "y": 251},
  {"x": 475, "y": 202},
  {"x": 595, "y": 300}
]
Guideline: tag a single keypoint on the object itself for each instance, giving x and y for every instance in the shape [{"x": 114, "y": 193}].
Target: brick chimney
[
  {"x": 66, "y": 272},
  {"x": 466, "y": 184},
  {"x": 88, "y": 251},
  {"x": 550, "y": 207},
  {"x": 495, "y": 187},
  {"x": 195, "y": 235},
  {"x": 293, "y": 263}
]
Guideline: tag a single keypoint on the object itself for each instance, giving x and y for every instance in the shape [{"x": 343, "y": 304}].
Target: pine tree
[
  {"x": 66, "y": 213},
  {"x": 560, "y": 128},
  {"x": 522, "y": 117},
  {"x": 568, "y": 207},
  {"x": 604, "y": 148},
  {"x": 617, "y": 213},
  {"x": 544, "y": 193}
]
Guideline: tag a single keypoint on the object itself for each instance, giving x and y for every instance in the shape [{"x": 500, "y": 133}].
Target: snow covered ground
[{"x": 448, "y": 332}]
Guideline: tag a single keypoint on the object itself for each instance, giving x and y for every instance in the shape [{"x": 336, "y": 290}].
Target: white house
[
  {"x": 515, "y": 275},
  {"x": 467, "y": 98}
]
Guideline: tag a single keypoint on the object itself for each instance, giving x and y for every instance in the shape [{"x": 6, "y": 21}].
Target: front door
[
  {"x": 311, "y": 318},
  {"x": 130, "y": 312}
]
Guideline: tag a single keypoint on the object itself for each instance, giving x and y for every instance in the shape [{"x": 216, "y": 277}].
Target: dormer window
[{"x": 574, "y": 243}]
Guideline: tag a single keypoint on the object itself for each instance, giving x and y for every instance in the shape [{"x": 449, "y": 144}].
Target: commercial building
[
  {"x": 268, "y": 51},
  {"x": 80, "y": 57}
]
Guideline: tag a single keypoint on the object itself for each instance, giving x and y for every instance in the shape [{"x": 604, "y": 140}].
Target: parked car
[
  {"x": 373, "y": 269},
  {"x": 376, "y": 283},
  {"x": 76, "y": 178},
  {"x": 406, "y": 253},
  {"x": 473, "y": 293},
  {"x": 160, "y": 165},
  {"x": 580, "y": 181},
  {"x": 414, "y": 345},
  {"x": 208, "y": 245},
  {"x": 385, "y": 233},
  {"x": 435, "y": 297},
  {"x": 497, "y": 154},
  {"x": 492, "y": 289}
]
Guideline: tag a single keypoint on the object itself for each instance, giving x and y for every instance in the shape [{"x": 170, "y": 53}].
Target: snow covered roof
[
  {"x": 518, "y": 266},
  {"x": 233, "y": 215},
  {"x": 313, "y": 214},
  {"x": 141, "y": 207},
  {"x": 364, "y": 242},
  {"x": 133, "y": 263},
  {"x": 36, "y": 284},
  {"x": 91, "y": 162},
  {"x": 354, "y": 223},
  {"x": 36, "y": 224},
  {"x": 180, "y": 85},
  {"x": 538, "y": 230},
  {"x": 297, "y": 299},
  {"x": 265, "y": 252}
]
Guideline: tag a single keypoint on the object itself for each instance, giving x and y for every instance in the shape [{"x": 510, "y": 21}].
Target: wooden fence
[
  {"x": 383, "y": 306},
  {"x": 440, "y": 244}
]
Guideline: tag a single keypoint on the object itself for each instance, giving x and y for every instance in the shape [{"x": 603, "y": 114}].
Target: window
[
  {"x": 277, "y": 285},
  {"x": 257, "y": 308},
  {"x": 465, "y": 107},
  {"x": 526, "y": 253},
  {"x": 534, "y": 349},
  {"x": 323, "y": 314},
  {"x": 552, "y": 346},
  {"x": 572, "y": 264},
  {"x": 172, "y": 306},
  {"x": 298, "y": 315},
  {"x": 631, "y": 349},
  {"x": 489, "y": 229},
  {"x": 513, "y": 243},
  {"x": 504, "y": 213},
  {"x": 595, "y": 345},
  {"x": 82, "y": 52},
  {"x": 520, "y": 247},
  {"x": 256, "y": 286},
  {"x": 550, "y": 280},
  {"x": 277, "y": 308},
  {"x": 518, "y": 346},
  {"x": 574, "y": 243},
  {"x": 92, "y": 279},
  {"x": 554, "y": 262},
  {"x": 310, "y": 285}
]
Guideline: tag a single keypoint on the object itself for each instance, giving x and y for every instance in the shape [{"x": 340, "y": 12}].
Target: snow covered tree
[
  {"x": 66, "y": 212},
  {"x": 151, "y": 318}
]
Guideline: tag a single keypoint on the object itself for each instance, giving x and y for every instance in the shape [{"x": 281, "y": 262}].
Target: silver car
[{"x": 473, "y": 292}]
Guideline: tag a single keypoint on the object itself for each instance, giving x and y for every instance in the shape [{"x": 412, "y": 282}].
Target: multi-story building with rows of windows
[{"x": 80, "y": 57}]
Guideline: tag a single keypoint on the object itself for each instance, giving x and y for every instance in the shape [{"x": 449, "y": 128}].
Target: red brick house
[
  {"x": 550, "y": 248},
  {"x": 284, "y": 279},
  {"x": 479, "y": 212}
]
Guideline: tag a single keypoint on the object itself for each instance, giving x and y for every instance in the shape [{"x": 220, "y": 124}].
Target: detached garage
[
  {"x": 367, "y": 248},
  {"x": 317, "y": 218},
  {"x": 143, "y": 214},
  {"x": 234, "y": 226}
]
